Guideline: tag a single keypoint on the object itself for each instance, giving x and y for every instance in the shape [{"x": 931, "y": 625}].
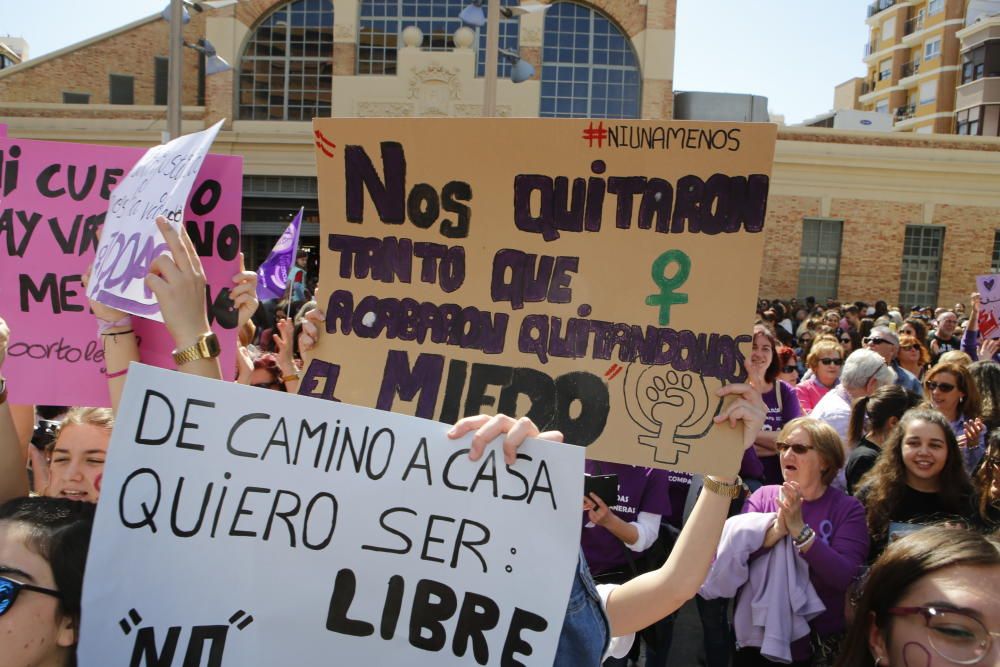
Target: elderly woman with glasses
[
  {"x": 825, "y": 526},
  {"x": 953, "y": 393},
  {"x": 929, "y": 600},
  {"x": 825, "y": 361}
]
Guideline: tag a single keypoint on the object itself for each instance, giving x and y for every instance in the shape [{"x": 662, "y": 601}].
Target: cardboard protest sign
[
  {"x": 54, "y": 201},
  {"x": 989, "y": 305},
  {"x": 261, "y": 528},
  {"x": 600, "y": 278},
  {"x": 158, "y": 184}
]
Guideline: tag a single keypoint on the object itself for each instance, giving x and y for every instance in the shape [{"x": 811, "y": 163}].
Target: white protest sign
[
  {"x": 989, "y": 305},
  {"x": 240, "y": 526},
  {"x": 158, "y": 184}
]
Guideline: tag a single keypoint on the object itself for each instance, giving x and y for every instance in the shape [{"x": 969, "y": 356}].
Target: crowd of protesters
[{"x": 860, "y": 530}]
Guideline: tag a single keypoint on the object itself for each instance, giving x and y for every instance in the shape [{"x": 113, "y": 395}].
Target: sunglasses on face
[
  {"x": 827, "y": 361},
  {"x": 875, "y": 341},
  {"x": 10, "y": 588},
  {"x": 945, "y": 387},
  {"x": 796, "y": 447},
  {"x": 789, "y": 369},
  {"x": 907, "y": 347},
  {"x": 845, "y": 341}
]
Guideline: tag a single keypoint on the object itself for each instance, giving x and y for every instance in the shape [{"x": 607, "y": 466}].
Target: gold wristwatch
[
  {"x": 731, "y": 491},
  {"x": 206, "y": 347}
]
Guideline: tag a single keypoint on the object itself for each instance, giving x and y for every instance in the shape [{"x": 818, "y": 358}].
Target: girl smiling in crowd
[
  {"x": 918, "y": 479},
  {"x": 953, "y": 393}
]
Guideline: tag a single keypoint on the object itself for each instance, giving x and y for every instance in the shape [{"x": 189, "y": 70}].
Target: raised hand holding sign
[{"x": 157, "y": 187}]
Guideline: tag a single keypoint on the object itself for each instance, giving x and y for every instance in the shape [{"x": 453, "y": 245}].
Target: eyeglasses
[
  {"x": 10, "y": 588},
  {"x": 945, "y": 387},
  {"x": 789, "y": 369},
  {"x": 872, "y": 376},
  {"x": 796, "y": 447},
  {"x": 954, "y": 635},
  {"x": 831, "y": 361},
  {"x": 874, "y": 340}
]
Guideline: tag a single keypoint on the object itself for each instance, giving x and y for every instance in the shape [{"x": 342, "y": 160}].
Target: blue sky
[{"x": 792, "y": 51}]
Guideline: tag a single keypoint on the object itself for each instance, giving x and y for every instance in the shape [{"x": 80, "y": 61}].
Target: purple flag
[{"x": 272, "y": 276}]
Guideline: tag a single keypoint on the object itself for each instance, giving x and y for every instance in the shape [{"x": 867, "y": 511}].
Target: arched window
[
  {"x": 589, "y": 69},
  {"x": 286, "y": 70},
  {"x": 382, "y": 22}
]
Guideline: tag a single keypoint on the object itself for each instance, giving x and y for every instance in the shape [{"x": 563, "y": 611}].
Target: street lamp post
[
  {"x": 175, "y": 70},
  {"x": 492, "y": 56}
]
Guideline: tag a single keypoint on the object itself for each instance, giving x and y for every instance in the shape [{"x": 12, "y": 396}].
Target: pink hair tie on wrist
[
  {"x": 117, "y": 374},
  {"x": 104, "y": 325}
]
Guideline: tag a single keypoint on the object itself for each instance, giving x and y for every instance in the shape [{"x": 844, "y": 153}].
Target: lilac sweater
[{"x": 836, "y": 555}]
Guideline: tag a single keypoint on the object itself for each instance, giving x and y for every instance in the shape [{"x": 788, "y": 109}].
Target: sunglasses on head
[
  {"x": 826, "y": 361},
  {"x": 789, "y": 369},
  {"x": 10, "y": 588},
  {"x": 796, "y": 447},
  {"x": 945, "y": 387}
]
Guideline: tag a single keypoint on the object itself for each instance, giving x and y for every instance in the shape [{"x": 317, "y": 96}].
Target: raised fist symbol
[{"x": 674, "y": 408}]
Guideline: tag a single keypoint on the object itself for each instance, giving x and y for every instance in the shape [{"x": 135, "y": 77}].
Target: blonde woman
[{"x": 825, "y": 361}]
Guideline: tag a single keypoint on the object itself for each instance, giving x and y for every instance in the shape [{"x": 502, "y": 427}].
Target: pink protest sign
[
  {"x": 55, "y": 198},
  {"x": 3, "y": 130},
  {"x": 989, "y": 305}
]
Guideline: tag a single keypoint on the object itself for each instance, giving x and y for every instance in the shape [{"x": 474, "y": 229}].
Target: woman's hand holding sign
[
  {"x": 244, "y": 294},
  {"x": 179, "y": 285},
  {"x": 487, "y": 428}
]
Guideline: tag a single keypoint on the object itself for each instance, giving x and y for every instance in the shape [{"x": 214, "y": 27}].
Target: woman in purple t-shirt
[
  {"x": 611, "y": 535},
  {"x": 614, "y": 537},
  {"x": 826, "y": 526},
  {"x": 782, "y": 403}
]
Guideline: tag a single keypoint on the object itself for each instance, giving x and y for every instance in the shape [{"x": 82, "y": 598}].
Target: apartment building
[
  {"x": 914, "y": 63},
  {"x": 977, "y": 100}
]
